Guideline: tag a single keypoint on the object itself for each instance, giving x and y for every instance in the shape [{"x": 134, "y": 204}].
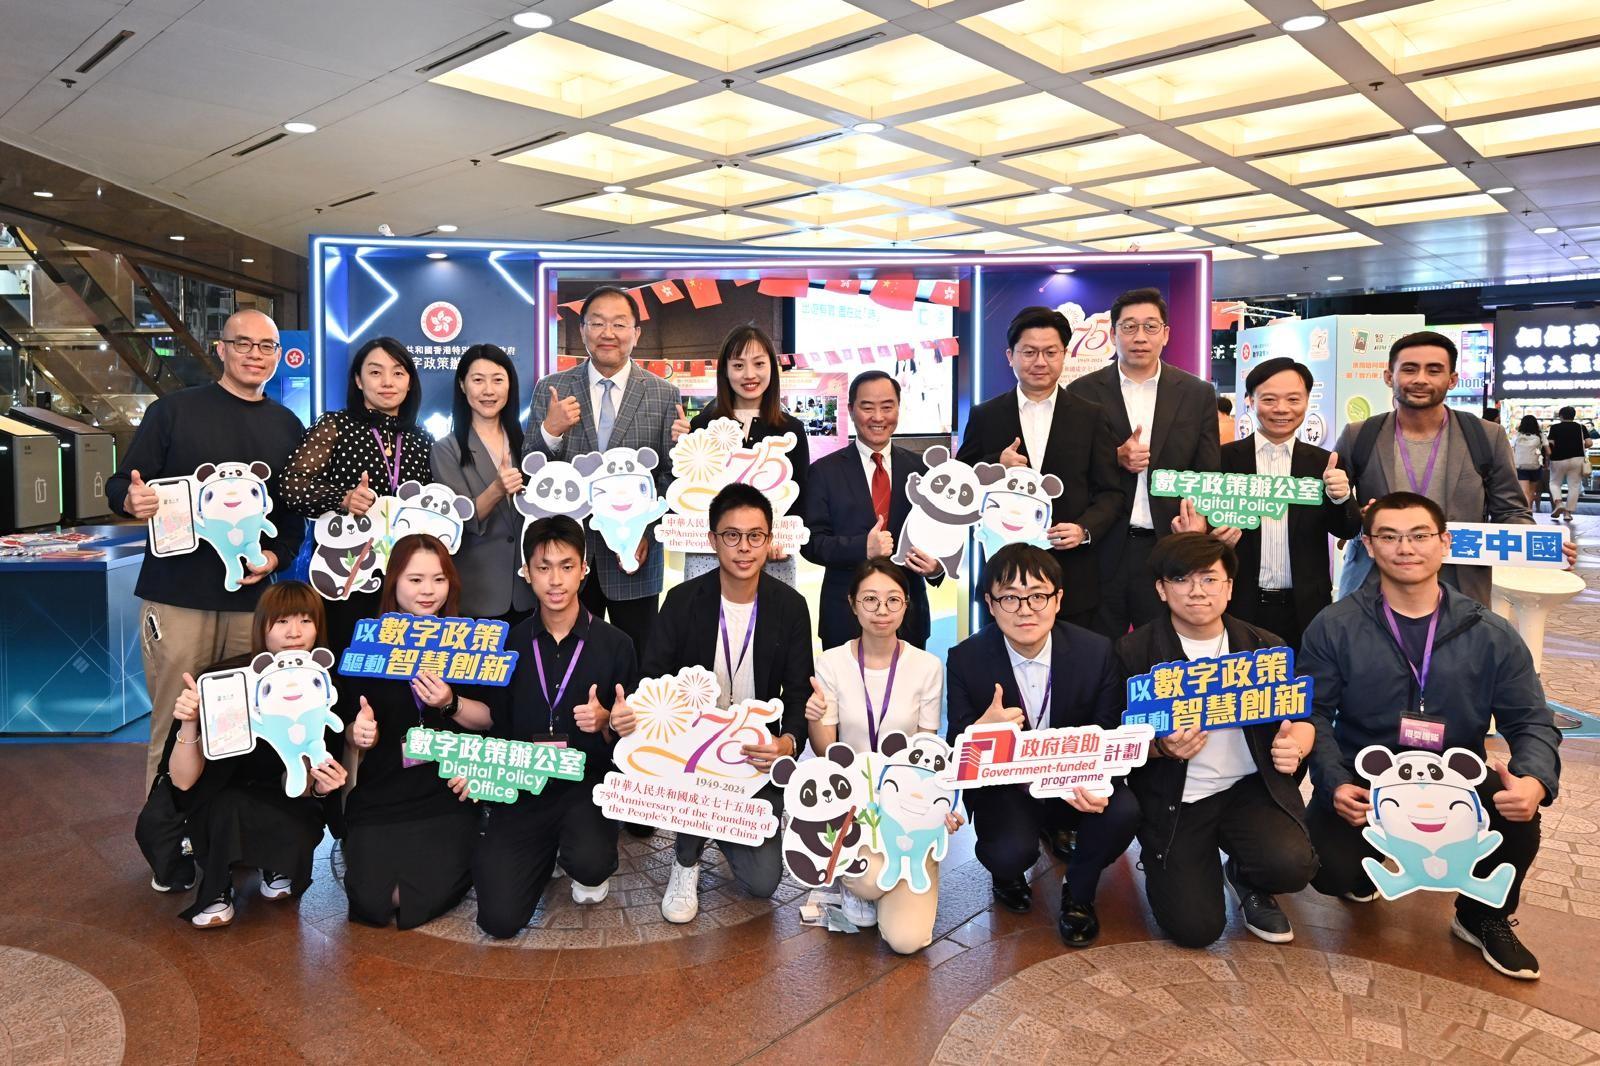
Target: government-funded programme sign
[
  {"x": 706, "y": 460},
  {"x": 1489, "y": 544},
  {"x": 1546, "y": 353},
  {"x": 1240, "y": 500},
  {"x": 1226, "y": 692},
  {"x": 400, "y": 646},
  {"x": 494, "y": 769},
  {"x": 1051, "y": 762}
]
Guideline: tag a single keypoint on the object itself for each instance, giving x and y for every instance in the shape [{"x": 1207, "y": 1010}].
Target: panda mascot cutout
[
  {"x": 1016, "y": 509},
  {"x": 342, "y": 560},
  {"x": 821, "y": 837},
  {"x": 945, "y": 503},
  {"x": 623, "y": 498},
  {"x": 553, "y": 488},
  {"x": 432, "y": 508}
]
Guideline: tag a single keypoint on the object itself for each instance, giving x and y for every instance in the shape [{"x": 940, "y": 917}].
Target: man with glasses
[
  {"x": 188, "y": 620},
  {"x": 1205, "y": 790},
  {"x": 1039, "y": 672},
  {"x": 1408, "y": 662},
  {"x": 754, "y": 633},
  {"x": 1042, "y": 426},
  {"x": 608, "y": 402},
  {"x": 1166, "y": 419}
]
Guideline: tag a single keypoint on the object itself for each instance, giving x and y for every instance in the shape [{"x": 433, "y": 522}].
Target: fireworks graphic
[
  {"x": 660, "y": 709},
  {"x": 699, "y": 457}
]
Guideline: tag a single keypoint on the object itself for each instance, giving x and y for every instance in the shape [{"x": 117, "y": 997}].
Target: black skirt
[
  {"x": 257, "y": 826},
  {"x": 429, "y": 858}
]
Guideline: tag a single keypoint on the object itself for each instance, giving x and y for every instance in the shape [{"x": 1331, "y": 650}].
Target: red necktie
[{"x": 880, "y": 489}]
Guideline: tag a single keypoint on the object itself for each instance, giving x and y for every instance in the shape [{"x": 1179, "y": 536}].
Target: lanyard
[
  {"x": 875, "y": 723},
  {"x": 1427, "y": 647},
  {"x": 538, "y": 662},
  {"x": 1405, "y": 458},
  {"x": 394, "y": 474},
  {"x": 1044, "y": 705},
  {"x": 406, "y": 761},
  {"x": 727, "y": 646}
]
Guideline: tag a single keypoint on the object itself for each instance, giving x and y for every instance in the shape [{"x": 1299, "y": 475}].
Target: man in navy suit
[
  {"x": 856, "y": 507},
  {"x": 1041, "y": 673}
]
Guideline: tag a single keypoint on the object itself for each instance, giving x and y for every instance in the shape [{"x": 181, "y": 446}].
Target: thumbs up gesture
[
  {"x": 622, "y": 718},
  {"x": 511, "y": 480},
  {"x": 142, "y": 502},
  {"x": 880, "y": 542},
  {"x": 998, "y": 713},
  {"x": 1134, "y": 454},
  {"x": 680, "y": 425},
  {"x": 188, "y": 706},
  {"x": 1520, "y": 796},
  {"x": 364, "y": 730},
  {"x": 359, "y": 500},
  {"x": 1336, "y": 481},
  {"x": 563, "y": 414},
  {"x": 1013, "y": 456},
  {"x": 818, "y": 703},
  {"x": 589, "y": 715},
  {"x": 1286, "y": 753}
]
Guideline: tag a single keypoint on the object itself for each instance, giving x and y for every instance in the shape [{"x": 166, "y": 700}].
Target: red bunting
[
  {"x": 702, "y": 292},
  {"x": 864, "y": 356},
  {"x": 794, "y": 287},
  {"x": 638, "y": 302},
  {"x": 945, "y": 292},
  {"x": 899, "y": 294},
  {"x": 666, "y": 291},
  {"x": 849, "y": 286},
  {"x": 832, "y": 357},
  {"x": 744, "y": 281},
  {"x": 904, "y": 352},
  {"x": 947, "y": 346}
]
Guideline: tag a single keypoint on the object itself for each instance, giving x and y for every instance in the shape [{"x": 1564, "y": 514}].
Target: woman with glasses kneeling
[
  {"x": 408, "y": 839},
  {"x": 863, "y": 690}
]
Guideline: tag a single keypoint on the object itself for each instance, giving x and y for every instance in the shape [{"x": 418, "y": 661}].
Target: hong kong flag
[
  {"x": 702, "y": 292},
  {"x": 666, "y": 291},
  {"x": 899, "y": 294},
  {"x": 945, "y": 292},
  {"x": 795, "y": 288},
  {"x": 850, "y": 286}
]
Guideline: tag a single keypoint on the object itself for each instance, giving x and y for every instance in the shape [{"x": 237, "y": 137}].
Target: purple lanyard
[
  {"x": 1044, "y": 707},
  {"x": 1427, "y": 647},
  {"x": 394, "y": 474},
  {"x": 1405, "y": 458},
  {"x": 875, "y": 723},
  {"x": 538, "y": 662},
  {"x": 406, "y": 761},
  {"x": 727, "y": 646}
]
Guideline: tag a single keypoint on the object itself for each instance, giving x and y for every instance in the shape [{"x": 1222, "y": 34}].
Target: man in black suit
[
  {"x": 856, "y": 508},
  {"x": 754, "y": 633},
  {"x": 1041, "y": 673},
  {"x": 1040, "y": 425},
  {"x": 1284, "y": 567},
  {"x": 1166, "y": 419}
]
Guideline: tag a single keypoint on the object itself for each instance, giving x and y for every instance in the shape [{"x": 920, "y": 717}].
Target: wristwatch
[{"x": 449, "y": 711}]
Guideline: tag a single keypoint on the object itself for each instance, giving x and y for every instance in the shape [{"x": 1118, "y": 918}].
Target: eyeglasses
[
  {"x": 242, "y": 346},
  {"x": 1046, "y": 353},
  {"x": 1011, "y": 604},
  {"x": 1389, "y": 540},
  {"x": 753, "y": 537},
  {"x": 871, "y": 603},
  {"x": 1205, "y": 582},
  {"x": 1130, "y": 328},
  {"x": 600, "y": 325}
]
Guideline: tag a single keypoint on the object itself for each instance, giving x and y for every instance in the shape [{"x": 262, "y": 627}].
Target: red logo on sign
[
  {"x": 441, "y": 321},
  {"x": 294, "y": 358}
]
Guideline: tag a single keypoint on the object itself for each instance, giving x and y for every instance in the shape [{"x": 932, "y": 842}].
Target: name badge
[
  {"x": 554, "y": 740},
  {"x": 1417, "y": 731}
]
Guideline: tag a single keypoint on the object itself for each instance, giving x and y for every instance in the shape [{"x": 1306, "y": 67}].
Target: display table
[
  {"x": 70, "y": 661},
  {"x": 1525, "y": 595}
]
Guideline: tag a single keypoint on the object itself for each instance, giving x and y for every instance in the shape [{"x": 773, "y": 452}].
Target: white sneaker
[
  {"x": 557, "y": 873},
  {"x": 275, "y": 885},
  {"x": 159, "y": 886},
  {"x": 681, "y": 902},
  {"x": 861, "y": 913},
  {"x": 216, "y": 915},
  {"x": 1361, "y": 897},
  {"x": 585, "y": 894}
]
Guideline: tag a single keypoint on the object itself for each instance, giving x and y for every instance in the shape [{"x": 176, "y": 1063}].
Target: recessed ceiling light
[
  {"x": 1545, "y": 229},
  {"x": 1061, "y": 190},
  {"x": 1579, "y": 258},
  {"x": 1302, "y": 23},
  {"x": 1270, "y": 255},
  {"x": 1064, "y": 270},
  {"x": 247, "y": 259},
  {"x": 615, "y": 188},
  {"x": 176, "y": 237},
  {"x": 44, "y": 194},
  {"x": 1291, "y": 296},
  {"x": 1428, "y": 127},
  {"x": 300, "y": 127},
  {"x": 1183, "y": 229},
  {"x": 446, "y": 227},
  {"x": 436, "y": 255},
  {"x": 1501, "y": 190},
  {"x": 533, "y": 20},
  {"x": 868, "y": 127},
  {"x": 1335, "y": 277}
]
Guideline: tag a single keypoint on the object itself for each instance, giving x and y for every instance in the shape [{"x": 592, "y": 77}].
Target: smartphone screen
[
  {"x": 225, "y": 715},
  {"x": 172, "y": 529}
]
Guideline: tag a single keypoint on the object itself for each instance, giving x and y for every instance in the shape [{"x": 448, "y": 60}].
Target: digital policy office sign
[{"x": 1547, "y": 353}]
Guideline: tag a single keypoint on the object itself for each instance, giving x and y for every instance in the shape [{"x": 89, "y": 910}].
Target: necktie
[
  {"x": 608, "y": 412},
  {"x": 880, "y": 489}
]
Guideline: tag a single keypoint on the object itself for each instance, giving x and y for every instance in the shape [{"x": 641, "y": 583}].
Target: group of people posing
[{"x": 1130, "y": 580}]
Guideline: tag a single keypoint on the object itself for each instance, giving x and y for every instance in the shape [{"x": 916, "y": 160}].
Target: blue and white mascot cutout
[
  {"x": 231, "y": 505},
  {"x": 913, "y": 802},
  {"x": 1016, "y": 509},
  {"x": 623, "y": 498},
  {"x": 292, "y": 698}
]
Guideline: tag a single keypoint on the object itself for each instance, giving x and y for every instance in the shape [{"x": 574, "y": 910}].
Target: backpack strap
[{"x": 1481, "y": 451}]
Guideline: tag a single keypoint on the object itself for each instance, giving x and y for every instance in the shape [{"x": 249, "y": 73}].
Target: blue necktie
[{"x": 608, "y": 412}]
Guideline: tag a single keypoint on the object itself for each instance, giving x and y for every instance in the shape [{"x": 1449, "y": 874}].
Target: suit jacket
[
  {"x": 490, "y": 555},
  {"x": 644, "y": 420},
  {"x": 685, "y": 634},
  {"x": 1464, "y": 499},
  {"x": 1182, "y": 436},
  {"x": 1086, "y": 685},
  {"x": 1309, "y": 530},
  {"x": 1081, "y": 452},
  {"x": 839, "y": 514}
]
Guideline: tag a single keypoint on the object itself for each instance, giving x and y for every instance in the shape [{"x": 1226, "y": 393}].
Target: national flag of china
[
  {"x": 844, "y": 285},
  {"x": 744, "y": 281},
  {"x": 904, "y": 352},
  {"x": 896, "y": 293},
  {"x": 945, "y": 292},
  {"x": 638, "y": 302},
  {"x": 793, "y": 287},
  {"x": 947, "y": 346},
  {"x": 572, "y": 306},
  {"x": 702, "y": 292},
  {"x": 666, "y": 291}
]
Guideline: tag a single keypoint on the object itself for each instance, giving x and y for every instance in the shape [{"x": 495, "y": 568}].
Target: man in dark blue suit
[
  {"x": 855, "y": 507},
  {"x": 1041, "y": 673}
]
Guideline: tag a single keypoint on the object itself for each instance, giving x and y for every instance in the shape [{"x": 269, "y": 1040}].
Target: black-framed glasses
[
  {"x": 1389, "y": 540},
  {"x": 873, "y": 603},
  {"x": 1011, "y": 603},
  {"x": 242, "y": 346},
  {"x": 753, "y": 537}
]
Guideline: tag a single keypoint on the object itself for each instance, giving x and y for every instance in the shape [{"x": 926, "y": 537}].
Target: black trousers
[
  {"x": 633, "y": 617},
  {"x": 1183, "y": 875},
  {"x": 521, "y": 844},
  {"x": 1127, "y": 589},
  {"x": 1342, "y": 847},
  {"x": 1008, "y": 822},
  {"x": 1279, "y": 617}
]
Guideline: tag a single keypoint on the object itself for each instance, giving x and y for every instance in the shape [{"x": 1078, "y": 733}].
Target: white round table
[{"x": 1525, "y": 595}]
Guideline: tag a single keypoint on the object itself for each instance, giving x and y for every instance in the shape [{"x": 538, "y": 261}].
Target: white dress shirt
[
  {"x": 1226, "y": 758},
  {"x": 1275, "y": 570},
  {"x": 1139, "y": 400},
  {"x": 1036, "y": 416},
  {"x": 620, "y": 379},
  {"x": 869, "y": 466},
  {"x": 1033, "y": 679}
]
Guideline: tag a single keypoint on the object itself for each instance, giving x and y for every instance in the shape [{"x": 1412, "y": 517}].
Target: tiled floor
[{"x": 94, "y": 966}]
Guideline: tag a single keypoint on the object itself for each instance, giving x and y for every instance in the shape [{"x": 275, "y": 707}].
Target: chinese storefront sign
[
  {"x": 495, "y": 769},
  {"x": 1548, "y": 353},
  {"x": 706, "y": 460},
  {"x": 1241, "y": 500},
  {"x": 1051, "y": 762},
  {"x": 1486, "y": 544},
  {"x": 1226, "y": 692},
  {"x": 400, "y": 646}
]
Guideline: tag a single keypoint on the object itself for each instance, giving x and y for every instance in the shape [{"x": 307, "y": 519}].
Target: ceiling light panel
[
  {"x": 1549, "y": 81},
  {"x": 726, "y": 123},
  {"x": 822, "y": 238},
  {"x": 1098, "y": 227},
  {"x": 945, "y": 187},
  {"x": 1431, "y": 210},
  {"x": 1071, "y": 35},
  {"x": 1325, "y": 243},
  {"x": 724, "y": 227},
  {"x": 727, "y": 34},
  {"x": 1275, "y": 228},
  {"x": 858, "y": 157},
  {"x": 598, "y": 158},
  {"x": 987, "y": 241},
  {"x": 1228, "y": 78},
  {"x": 1012, "y": 125},
  {"x": 1202, "y": 183},
  {"x": 1220, "y": 254},
  {"x": 912, "y": 227},
  {"x": 1350, "y": 160},
  {"x": 1152, "y": 242},
  {"x": 1449, "y": 33},
  {"x": 1363, "y": 192},
  {"x": 1535, "y": 133},
  {"x": 905, "y": 74},
  {"x": 823, "y": 209},
  {"x": 1282, "y": 129},
  {"x": 1233, "y": 209},
  {"x": 1102, "y": 161},
  {"x": 555, "y": 74},
  {"x": 622, "y": 208},
  {"x": 725, "y": 187},
  {"x": 1022, "y": 210}
]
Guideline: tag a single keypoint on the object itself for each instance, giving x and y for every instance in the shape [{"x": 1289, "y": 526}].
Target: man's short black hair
[
  {"x": 1181, "y": 554},
  {"x": 609, "y": 290},
  {"x": 1266, "y": 369},
  {"x": 1019, "y": 564},
  {"x": 1567, "y": 414},
  {"x": 555, "y": 529},
  {"x": 734, "y": 496},
  {"x": 1422, "y": 338},
  {"x": 1401, "y": 501},
  {"x": 1038, "y": 318},
  {"x": 867, "y": 377},
  {"x": 1492, "y": 414},
  {"x": 1225, "y": 405},
  {"x": 1138, "y": 296}
]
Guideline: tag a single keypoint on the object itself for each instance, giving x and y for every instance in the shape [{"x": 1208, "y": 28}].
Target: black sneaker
[
  {"x": 1262, "y": 916},
  {"x": 1500, "y": 946}
]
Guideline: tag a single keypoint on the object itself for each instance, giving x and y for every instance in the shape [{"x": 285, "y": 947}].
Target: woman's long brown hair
[{"x": 733, "y": 346}]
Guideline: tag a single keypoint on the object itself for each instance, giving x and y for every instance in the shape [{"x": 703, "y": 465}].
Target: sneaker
[
  {"x": 275, "y": 885},
  {"x": 557, "y": 873},
  {"x": 157, "y": 884},
  {"x": 218, "y": 913},
  {"x": 1361, "y": 897},
  {"x": 861, "y": 913},
  {"x": 585, "y": 894},
  {"x": 1500, "y": 946},
  {"x": 681, "y": 901},
  {"x": 1262, "y": 916}
]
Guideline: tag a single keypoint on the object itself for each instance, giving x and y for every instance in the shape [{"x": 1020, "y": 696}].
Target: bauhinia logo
[{"x": 441, "y": 321}]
